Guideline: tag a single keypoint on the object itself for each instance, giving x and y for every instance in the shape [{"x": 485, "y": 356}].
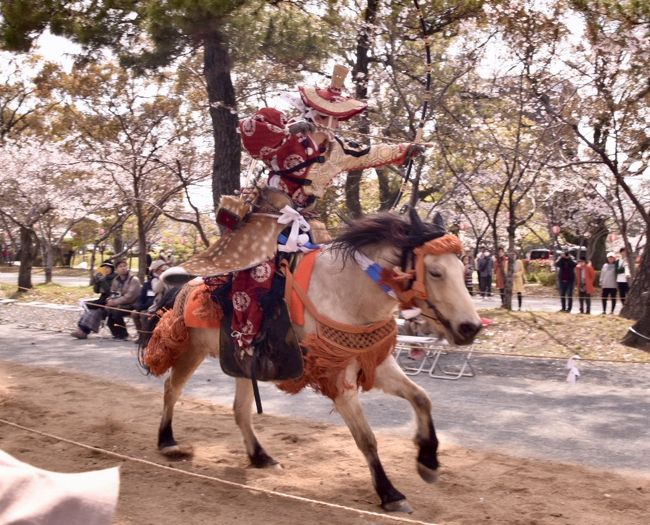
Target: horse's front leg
[
  {"x": 392, "y": 380},
  {"x": 348, "y": 405},
  {"x": 180, "y": 373},
  {"x": 243, "y": 417}
]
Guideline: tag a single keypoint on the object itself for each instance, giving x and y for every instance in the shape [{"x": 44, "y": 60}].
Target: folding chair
[
  {"x": 407, "y": 344},
  {"x": 430, "y": 362},
  {"x": 462, "y": 366}
]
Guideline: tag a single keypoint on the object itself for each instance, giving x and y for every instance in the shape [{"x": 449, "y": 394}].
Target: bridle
[{"x": 408, "y": 283}]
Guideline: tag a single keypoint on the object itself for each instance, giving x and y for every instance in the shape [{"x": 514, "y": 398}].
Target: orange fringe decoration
[
  {"x": 330, "y": 350},
  {"x": 448, "y": 243},
  {"x": 200, "y": 310},
  {"x": 168, "y": 341}
]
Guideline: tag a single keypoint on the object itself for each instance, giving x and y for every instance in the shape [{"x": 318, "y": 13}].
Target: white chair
[{"x": 417, "y": 354}]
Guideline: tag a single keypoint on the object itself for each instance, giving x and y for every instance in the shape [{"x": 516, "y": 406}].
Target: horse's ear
[
  {"x": 417, "y": 226},
  {"x": 439, "y": 222}
]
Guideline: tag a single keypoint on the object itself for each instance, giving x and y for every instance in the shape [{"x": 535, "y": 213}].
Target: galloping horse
[{"x": 342, "y": 291}]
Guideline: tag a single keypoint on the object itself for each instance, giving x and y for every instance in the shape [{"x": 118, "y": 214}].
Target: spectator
[
  {"x": 585, "y": 276},
  {"x": 500, "y": 270},
  {"x": 124, "y": 293},
  {"x": 518, "y": 280},
  {"x": 622, "y": 275},
  {"x": 566, "y": 277},
  {"x": 608, "y": 281},
  {"x": 167, "y": 256},
  {"x": 468, "y": 273},
  {"x": 94, "y": 312},
  {"x": 485, "y": 266},
  {"x": 149, "y": 292}
]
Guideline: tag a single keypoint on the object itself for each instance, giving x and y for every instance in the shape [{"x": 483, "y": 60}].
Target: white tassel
[
  {"x": 572, "y": 366},
  {"x": 296, "y": 240}
]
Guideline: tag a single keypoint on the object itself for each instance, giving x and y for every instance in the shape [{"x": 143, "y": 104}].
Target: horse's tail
[{"x": 150, "y": 323}]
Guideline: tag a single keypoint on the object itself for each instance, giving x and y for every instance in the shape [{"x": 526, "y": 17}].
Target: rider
[{"x": 303, "y": 156}]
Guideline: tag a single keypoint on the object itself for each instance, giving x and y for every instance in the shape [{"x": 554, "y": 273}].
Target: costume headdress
[{"x": 330, "y": 101}]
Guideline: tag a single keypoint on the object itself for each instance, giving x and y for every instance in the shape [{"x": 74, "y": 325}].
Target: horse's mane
[{"x": 387, "y": 228}]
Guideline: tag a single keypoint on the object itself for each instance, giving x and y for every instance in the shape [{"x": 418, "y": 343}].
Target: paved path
[
  {"x": 538, "y": 304},
  {"x": 39, "y": 278},
  {"x": 513, "y": 405}
]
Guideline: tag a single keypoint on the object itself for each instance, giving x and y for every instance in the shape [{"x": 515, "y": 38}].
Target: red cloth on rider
[
  {"x": 265, "y": 138},
  {"x": 248, "y": 287}
]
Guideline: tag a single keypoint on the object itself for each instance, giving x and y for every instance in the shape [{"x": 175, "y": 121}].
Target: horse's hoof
[
  {"x": 397, "y": 506},
  {"x": 177, "y": 452},
  {"x": 272, "y": 465},
  {"x": 427, "y": 474},
  {"x": 266, "y": 462}
]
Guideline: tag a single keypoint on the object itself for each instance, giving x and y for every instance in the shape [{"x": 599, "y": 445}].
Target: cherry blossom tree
[
  {"x": 44, "y": 196},
  {"x": 136, "y": 135}
]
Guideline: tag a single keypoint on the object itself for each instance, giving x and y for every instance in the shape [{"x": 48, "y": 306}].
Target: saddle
[
  {"x": 250, "y": 239},
  {"x": 251, "y": 235}
]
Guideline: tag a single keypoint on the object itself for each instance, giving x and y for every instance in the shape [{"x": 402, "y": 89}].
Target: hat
[
  {"x": 109, "y": 264},
  {"x": 330, "y": 101},
  {"x": 611, "y": 254},
  {"x": 157, "y": 264}
]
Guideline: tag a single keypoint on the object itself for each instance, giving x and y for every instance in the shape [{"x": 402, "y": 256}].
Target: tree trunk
[
  {"x": 353, "y": 193},
  {"x": 26, "y": 258},
  {"x": 360, "y": 77},
  {"x": 221, "y": 95},
  {"x": 387, "y": 194},
  {"x": 635, "y": 304},
  {"x": 48, "y": 261},
  {"x": 118, "y": 240},
  {"x": 639, "y": 335},
  {"x": 142, "y": 250},
  {"x": 92, "y": 266}
]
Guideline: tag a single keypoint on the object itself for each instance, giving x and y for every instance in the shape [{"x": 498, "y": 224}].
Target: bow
[{"x": 426, "y": 97}]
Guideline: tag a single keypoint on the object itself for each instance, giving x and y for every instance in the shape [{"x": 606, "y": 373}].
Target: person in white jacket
[{"x": 608, "y": 281}]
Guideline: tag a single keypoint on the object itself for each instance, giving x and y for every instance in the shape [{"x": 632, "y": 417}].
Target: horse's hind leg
[
  {"x": 392, "y": 380},
  {"x": 242, "y": 408},
  {"x": 183, "y": 369},
  {"x": 348, "y": 405}
]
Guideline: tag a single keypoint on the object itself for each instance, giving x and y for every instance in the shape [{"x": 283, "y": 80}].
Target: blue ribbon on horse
[{"x": 304, "y": 247}]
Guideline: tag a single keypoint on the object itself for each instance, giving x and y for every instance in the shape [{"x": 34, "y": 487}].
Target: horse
[{"x": 341, "y": 290}]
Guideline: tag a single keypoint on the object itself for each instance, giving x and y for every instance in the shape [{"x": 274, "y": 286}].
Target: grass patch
[
  {"x": 48, "y": 293},
  {"x": 544, "y": 334}
]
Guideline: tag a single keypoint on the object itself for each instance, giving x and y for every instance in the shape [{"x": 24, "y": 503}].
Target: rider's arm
[{"x": 352, "y": 156}]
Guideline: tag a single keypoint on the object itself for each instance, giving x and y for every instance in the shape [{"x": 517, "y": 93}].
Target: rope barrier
[
  {"x": 449, "y": 350},
  {"x": 222, "y": 481}
]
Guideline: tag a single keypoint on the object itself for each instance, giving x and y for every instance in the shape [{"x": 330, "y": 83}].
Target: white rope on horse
[{"x": 218, "y": 480}]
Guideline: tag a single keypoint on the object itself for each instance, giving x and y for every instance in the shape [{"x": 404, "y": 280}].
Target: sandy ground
[{"x": 320, "y": 463}]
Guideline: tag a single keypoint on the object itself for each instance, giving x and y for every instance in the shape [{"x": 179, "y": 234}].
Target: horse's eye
[{"x": 435, "y": 274}]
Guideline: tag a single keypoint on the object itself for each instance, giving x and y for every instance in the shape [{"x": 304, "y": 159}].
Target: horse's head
[
  {"x": 448, "y": 307},
  {"x": 439, "y": 288},
  {"x": 432, "y": 274}
]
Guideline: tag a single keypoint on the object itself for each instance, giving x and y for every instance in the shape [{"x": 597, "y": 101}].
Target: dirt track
[{"x": 320, "y": 462}]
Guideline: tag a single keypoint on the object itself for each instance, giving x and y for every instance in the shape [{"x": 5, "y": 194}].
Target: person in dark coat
[
  {"x": 485, "y": 267},
  {"x": 93, "y": 311},
  {"x": 566, "y": 279}
]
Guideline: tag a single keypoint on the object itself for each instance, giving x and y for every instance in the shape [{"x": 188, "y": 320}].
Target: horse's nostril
[{"x": 469, "y": 330}]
